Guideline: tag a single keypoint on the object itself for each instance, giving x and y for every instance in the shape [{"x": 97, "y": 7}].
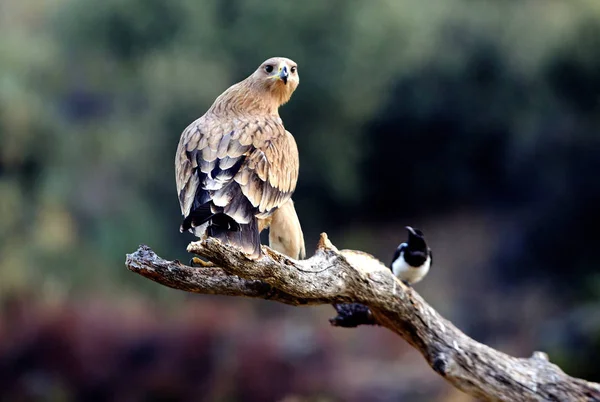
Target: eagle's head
[
  {"x": 270, "y": 86},
  {"x": 278, "y": 77}
]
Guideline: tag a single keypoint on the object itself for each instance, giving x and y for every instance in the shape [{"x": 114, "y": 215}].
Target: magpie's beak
[
  {"x": 283, "y": 74},
  {"x": 411, "y": 230}
]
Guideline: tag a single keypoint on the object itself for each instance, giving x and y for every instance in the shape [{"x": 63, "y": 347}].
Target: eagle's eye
[
  {"x": 269, "y": 68},
  {"x": 293, "y": 70}
]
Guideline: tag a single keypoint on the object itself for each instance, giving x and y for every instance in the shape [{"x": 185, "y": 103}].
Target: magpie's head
[{"x": 416, "y": 240}]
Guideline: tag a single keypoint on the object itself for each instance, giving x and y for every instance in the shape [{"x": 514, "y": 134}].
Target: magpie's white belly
[{"x": 405, "y": 272}]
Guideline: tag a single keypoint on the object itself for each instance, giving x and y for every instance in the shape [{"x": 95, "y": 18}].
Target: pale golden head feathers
[
  {"x": 270, "y": 86},
  {"x": 278, "y": 77}
]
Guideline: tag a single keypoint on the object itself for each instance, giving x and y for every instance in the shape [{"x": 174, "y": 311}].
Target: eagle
[{"x": 237, "y": 164}]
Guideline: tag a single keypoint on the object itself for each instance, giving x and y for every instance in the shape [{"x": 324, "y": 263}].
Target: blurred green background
[{"x": 475, "y": 121}]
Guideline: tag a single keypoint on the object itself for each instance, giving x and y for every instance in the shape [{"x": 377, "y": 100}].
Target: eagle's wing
[
  {"x": 269, "y": 174},
  {"x": 207, "y": 159},
  {"x": 228, "y": 172}
]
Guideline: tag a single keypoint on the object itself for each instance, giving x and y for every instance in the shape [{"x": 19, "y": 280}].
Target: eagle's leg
[{"x": 197, "y": 262}]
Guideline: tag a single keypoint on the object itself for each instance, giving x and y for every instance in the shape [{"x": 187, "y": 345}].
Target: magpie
[{"x": 412, "y": 259}]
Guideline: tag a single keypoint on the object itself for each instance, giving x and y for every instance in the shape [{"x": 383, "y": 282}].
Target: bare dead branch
[
  {"x": 210, "y": 281},
  {"x": 365, "y": 292}
]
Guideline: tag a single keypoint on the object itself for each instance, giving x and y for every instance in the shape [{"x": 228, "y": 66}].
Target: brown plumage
[
  {"x": 285, "y": 232},
  {"x": 237, "y": 163}
]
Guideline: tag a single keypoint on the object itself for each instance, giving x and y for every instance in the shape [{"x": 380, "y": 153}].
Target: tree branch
[{"x": 364, "y": 291}]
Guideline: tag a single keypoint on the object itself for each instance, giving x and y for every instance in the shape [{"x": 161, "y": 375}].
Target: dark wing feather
[{"x": 208, "y": 157}]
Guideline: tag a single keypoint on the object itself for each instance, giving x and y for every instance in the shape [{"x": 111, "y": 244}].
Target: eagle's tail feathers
[{"x": 244, "y": 236}]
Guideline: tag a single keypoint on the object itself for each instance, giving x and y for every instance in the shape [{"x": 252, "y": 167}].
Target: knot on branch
[
  {"x": 440, "y": 364},
  {"x": 352, "y": 315}
]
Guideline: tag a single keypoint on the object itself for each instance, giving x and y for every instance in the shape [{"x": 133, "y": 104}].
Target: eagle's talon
[{"x": 197, "y": 262}]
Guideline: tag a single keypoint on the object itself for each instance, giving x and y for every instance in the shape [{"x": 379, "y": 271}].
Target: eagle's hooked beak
[{"x": 283, "y": 74}]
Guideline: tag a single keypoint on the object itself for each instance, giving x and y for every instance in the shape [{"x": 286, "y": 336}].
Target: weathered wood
[{"x": 345, "y": 277}]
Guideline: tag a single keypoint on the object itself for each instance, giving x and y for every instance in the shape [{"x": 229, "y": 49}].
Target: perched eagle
[{"x": 237, "y": 164}]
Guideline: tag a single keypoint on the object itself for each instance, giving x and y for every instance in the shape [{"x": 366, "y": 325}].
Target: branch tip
[
  {"x": 193, "y": 247},
  {"x": 538, "y": 355},
  {"x": 325, "y": 244}
]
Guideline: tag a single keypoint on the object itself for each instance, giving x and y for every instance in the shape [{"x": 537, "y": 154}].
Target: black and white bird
[{"x": 413, "y": 259}]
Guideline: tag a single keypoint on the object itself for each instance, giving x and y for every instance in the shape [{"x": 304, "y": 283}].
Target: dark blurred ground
[{"x": 477, "y": 122}]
